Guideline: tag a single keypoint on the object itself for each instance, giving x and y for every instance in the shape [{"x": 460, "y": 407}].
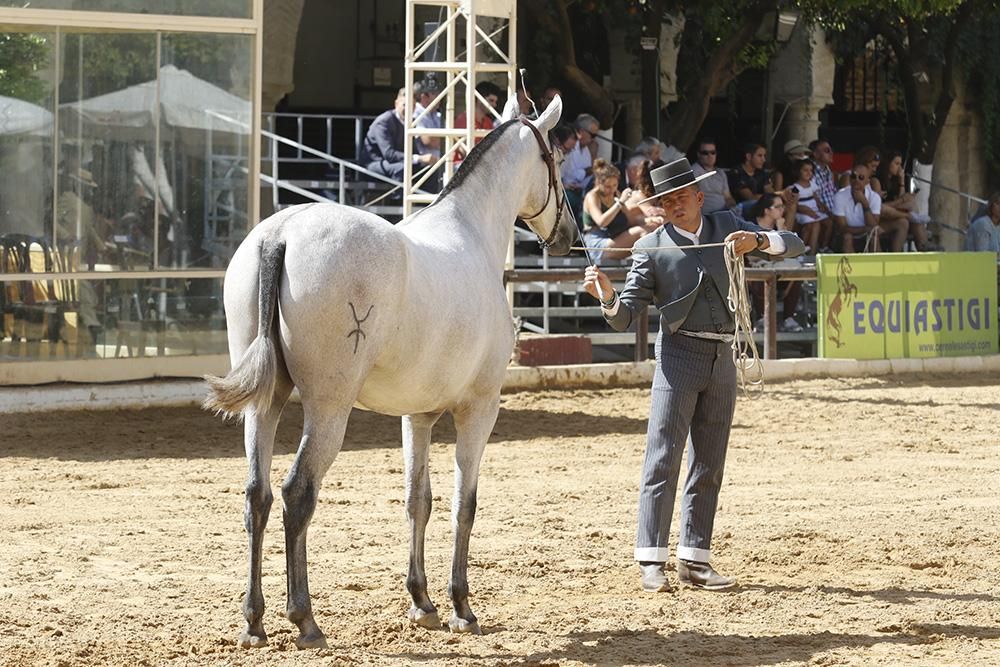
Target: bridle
[{"x": 550, "y": 162}]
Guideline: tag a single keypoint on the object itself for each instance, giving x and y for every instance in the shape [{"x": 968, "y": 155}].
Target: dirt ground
[{"x": 859, "y": 516}]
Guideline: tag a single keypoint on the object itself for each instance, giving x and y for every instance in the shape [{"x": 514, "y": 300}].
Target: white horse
[{"x": 409, "y": 320}]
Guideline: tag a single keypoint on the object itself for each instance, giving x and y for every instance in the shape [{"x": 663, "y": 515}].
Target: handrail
[{"x": 948, "y": 189}]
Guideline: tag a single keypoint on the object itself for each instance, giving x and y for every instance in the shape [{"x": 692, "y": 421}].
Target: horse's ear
[
  {"x": 510, "y": 109},
  {"x": 550, "y": 117}
]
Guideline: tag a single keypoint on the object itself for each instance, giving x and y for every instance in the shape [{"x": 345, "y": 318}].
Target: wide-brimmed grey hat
[{"x": 673, "y": 176}]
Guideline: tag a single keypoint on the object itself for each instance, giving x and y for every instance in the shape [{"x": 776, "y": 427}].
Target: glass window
[
  {"x": 215, "y": 8},
  {"x": 205, "y": 92},
  {"x": 109, "y": 319},
  {"x": 27, "y": 127},
  {"x": 107, "y": 116}
]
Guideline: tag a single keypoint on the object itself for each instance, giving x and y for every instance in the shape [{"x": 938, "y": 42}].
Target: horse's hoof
[
  {"x": 248, "y": 640},
  {"x": 316, "y": 640},
  {"x": 425, "y": 619},
  {"x": 462, "y": 626}
]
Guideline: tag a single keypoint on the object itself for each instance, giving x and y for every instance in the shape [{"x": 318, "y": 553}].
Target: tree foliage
[{"x": 23, "y": 56}]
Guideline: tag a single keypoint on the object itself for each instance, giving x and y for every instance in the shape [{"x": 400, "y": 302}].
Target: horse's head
[{"x": 543, "y": 207}]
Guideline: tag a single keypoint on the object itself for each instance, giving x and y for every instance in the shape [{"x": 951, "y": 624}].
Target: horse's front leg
[
  {"x": 416, "y": 448},
  {"x": 473, "y": 426},
  {"x": 259, "y": 433},
  {"x": 322, "y": 439}
]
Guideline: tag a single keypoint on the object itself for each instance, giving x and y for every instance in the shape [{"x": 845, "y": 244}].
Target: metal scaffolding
[{"x": 480, "y": 38}]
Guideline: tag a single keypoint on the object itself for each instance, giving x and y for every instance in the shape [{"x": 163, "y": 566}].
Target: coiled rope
[{"x": 749, "y": 369}]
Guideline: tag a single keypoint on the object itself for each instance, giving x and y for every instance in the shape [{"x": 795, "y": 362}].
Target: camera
[{"x": 795, "y": 189}]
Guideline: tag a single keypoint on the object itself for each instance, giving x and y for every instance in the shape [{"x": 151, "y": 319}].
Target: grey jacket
[{"x": 671, "y": 279}]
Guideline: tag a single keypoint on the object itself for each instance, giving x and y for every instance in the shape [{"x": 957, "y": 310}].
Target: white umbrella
[
  {"x": 20, "y": 117},
  {"x": 186, "y": 102}
]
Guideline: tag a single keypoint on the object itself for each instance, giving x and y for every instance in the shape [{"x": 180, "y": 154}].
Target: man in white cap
[{"x": 694, "y": 384}]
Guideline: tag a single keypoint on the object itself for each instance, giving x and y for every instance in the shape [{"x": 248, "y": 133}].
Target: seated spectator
[
  {"x": 786, "y": 171},
  {"x": 898, "y": 203},
  {"x": 984, "y": 232},
  {"x": 565, "y": 138},
  {"x": 769, "y": 213},
  {"x": 811, "y": 214},
  {"x": 608, "y": 220},
  {"x": 750, "y": 180},
  {"x": 856, "y": 211},
  {"x": 483, "y": 115},
  {"x": 651, "y": 148},
  {"x": 576, "y": 168},
  {"x": 871, "y": 158},
  {"x": 825, "y": 186},
  {"x": 546, "y": 99},
  {"x": 716, "y": 186},
  {"x": 424, "y": 92},
  {"x": 641, "y": 186},
  {"x": 382, "y": 150}
]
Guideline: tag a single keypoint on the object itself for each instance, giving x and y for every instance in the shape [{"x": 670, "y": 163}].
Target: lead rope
[{"x": 749, "y": 369}]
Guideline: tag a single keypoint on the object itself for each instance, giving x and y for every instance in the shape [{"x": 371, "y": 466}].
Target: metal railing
[
  {"x": 326, "y": 121},
  {"x": 768, "y": 276},
  {"x": 969, "y": 198}
]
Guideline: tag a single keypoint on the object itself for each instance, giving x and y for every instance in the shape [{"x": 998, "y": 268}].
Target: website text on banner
[{"x": 892, "y": 306}]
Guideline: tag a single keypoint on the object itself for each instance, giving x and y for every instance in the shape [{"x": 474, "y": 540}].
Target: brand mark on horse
[{"x": 357, "y": 331}]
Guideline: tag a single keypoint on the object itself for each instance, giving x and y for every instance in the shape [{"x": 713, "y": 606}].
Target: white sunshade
[
  {"x": 185, "y": 102},
  {"x": 20, "y": 117}
]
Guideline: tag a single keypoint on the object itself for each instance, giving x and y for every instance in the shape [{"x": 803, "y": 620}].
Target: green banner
[{"x": 897, "y": 305}]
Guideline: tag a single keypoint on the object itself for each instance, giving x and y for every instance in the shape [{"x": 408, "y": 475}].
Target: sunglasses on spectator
[
  {"x": 706, "y": 152},
  {"x": 858, "y": 177}
]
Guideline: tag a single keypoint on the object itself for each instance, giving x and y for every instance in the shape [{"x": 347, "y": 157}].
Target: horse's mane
[{"x": 473, "y": 158}]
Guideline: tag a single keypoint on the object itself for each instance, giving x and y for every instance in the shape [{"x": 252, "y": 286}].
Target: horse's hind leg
[
  {"x": 416, "y": 447},
  {"x": 259, "y": 433},
  {"x": 473, "y": 426},
  {"x": 322, "y": 439}
]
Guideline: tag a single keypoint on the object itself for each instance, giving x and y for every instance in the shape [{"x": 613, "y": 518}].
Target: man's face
[
  {"x": 707, "y": 156},
  {"x": 859, "y": 177},
  {"x": 400, "y": 106},
  {"x": 683, "y": 207},
  {"x": 569, "y": 144},
  {"x": 425, "y": 100},
  {"x": 758, "y": 158},
  {"x": 586, "y": 135},
  {"x": 823, "y": 154}
]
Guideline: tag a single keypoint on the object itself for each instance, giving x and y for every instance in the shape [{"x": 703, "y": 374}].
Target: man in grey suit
[{"x": 694, "y": 385}]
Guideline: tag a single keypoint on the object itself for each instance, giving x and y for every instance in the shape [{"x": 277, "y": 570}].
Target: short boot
[
  {"x": 701, "y": 575},
  {"x": 654, "y": 579}
]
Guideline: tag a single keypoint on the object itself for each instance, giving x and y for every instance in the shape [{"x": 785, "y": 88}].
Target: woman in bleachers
[
  {"x": 609, "y": 221},
  {"x": 769, "y": 213},
  {"x": 897, "y": 202}
]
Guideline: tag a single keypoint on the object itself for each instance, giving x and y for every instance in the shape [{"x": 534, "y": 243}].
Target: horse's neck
[{"x": 483, "y": 209}]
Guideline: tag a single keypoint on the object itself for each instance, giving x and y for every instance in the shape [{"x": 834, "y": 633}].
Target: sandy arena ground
[{"x": 860, "y": 517}]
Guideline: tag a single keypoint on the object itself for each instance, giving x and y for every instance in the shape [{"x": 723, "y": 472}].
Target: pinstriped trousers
[{"x": 694, "y": 390}]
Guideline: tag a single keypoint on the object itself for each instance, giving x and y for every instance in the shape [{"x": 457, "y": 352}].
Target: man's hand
[
  {"x": 859, "y": 197},
  {"x": 745, "y": 242},
  {"x": 426, "y": 158},
  {"x": 593, "y": 277}
]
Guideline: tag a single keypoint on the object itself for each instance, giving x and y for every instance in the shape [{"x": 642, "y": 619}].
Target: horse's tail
[{"x": 251, "y": 382}]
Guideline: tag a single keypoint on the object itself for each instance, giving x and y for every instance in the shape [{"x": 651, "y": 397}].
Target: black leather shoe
[
  {"x": 654, "y": 579},
  {"x": 701, "y": 575}
]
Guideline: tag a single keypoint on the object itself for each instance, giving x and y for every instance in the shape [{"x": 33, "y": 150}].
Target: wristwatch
[{"x": 760, "y": 239}]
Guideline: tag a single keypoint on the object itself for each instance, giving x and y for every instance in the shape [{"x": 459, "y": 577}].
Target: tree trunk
[
  {"x": 688, "y": 114},
  {"x": 926, "y": 114},
  {"x": 550, "y": 16}
]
